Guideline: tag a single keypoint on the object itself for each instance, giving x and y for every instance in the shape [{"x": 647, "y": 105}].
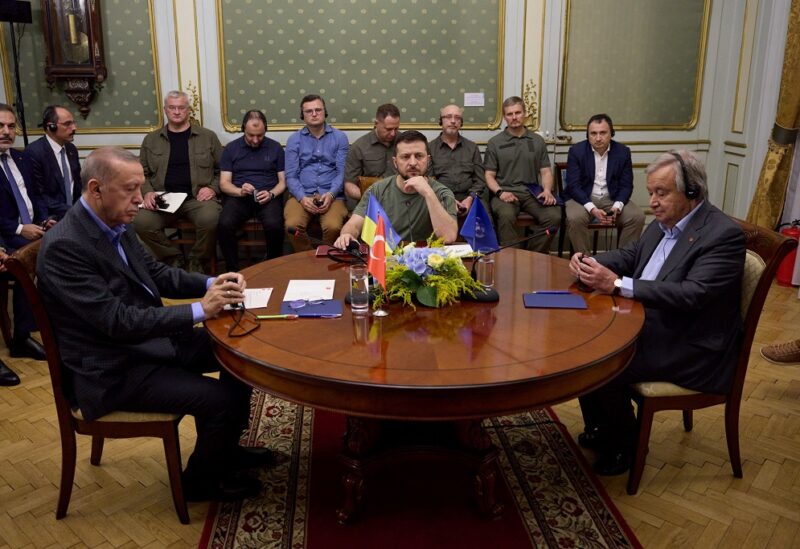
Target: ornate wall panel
[
  {"x": 359, "y": 54},
  {"x": 129, "y": 100},
  {"x": 640, "y": 61}
]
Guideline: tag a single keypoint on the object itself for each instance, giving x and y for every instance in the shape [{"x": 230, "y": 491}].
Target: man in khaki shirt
[{"x": 371, "y": 154}]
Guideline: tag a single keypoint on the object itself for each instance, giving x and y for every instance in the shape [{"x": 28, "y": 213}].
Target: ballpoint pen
[
  {"x": 277, "y": 317},
  {"x": 551, "y": 292}
]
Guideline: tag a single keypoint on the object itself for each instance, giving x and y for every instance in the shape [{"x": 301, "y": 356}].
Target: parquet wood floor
[{"x": 688, "y": 496}]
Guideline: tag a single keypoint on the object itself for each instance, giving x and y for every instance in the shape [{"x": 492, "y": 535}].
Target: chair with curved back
[
  {"x": 765, "y": 250},
  {"x": 22, "y": 265}
]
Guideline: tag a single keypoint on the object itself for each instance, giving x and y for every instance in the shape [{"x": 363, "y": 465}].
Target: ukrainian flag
[{"x": 374, "y": 210}]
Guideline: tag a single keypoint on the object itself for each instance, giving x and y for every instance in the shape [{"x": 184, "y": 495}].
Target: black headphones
[
  {"x": 690, "y": 189},
  {"x": 50, "y": 118},
  {"x": 309, "y": 99},
  {"x": 600, "y": 118},
  {"x": 254, "y": 113}
]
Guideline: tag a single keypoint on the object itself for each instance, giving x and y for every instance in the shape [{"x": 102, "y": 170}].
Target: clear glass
[
  {"x": 484, "y": 271},
  {"x": 359, "y": 289}
]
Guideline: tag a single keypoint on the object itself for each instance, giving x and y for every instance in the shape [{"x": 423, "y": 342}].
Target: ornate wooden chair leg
[
  {"x": 732, "y": 436},
  {"x": 5, "y": 320},
  {"x": 97, "y": 450},
  {"x": 68, "y": 454},
  {"x": 645, "y": 424},
  {"x": 688, "y": 420},
  {"x": 172, "y": 452}
]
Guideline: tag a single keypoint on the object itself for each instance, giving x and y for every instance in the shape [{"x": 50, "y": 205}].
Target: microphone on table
[
  {"x": 353, "y": 248},
  {"x": 490, "y": 294}
]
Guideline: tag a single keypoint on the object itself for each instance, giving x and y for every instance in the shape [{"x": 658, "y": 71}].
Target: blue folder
[
  {"x": 544, "y": 300},
  {"x": 328, "y": 308}
]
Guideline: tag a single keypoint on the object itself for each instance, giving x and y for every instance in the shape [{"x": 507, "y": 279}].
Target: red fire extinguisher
[{"x": 786, "y": 269}]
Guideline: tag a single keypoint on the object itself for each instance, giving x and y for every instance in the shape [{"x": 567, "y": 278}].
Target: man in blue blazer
[
  {"x": 126, "y": 350},
  {"x": 55, "y": 167},
  {"x": 687, "y": 272},
  {"x": 599, "y": 186}
]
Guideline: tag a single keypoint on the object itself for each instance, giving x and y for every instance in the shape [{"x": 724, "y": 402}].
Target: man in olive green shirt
[
  {"x": 180, "y": 157},
  {"x": 417, "y": 206},
  {"x": 456, "y": 161},
  {"x": 515, "y": 159},
  {"x": 371, "y": 154}
]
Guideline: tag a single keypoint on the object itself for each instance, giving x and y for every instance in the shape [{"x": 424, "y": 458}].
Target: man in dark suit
[
  {"x": 54, "y": 161},
  {"x": 687, "y": 272},
  {"x": 599, "y": 186},
  {"x": 22, "y": 216},
  {"x": 125, "y": 350}
]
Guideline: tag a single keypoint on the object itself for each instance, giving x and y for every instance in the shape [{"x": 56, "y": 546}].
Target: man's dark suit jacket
[
  {"x": 692, "y": 326},
  {"x": 47, "y": 177},
  {"x": 111, "y": 331},
  {"x": 580, "y": 173},
  {"x": 9, "y": 213}
]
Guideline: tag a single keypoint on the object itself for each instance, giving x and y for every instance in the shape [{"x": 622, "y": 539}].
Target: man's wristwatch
[
  {"x": 617, "y": 287},
  {"x": 498, "y": 192}
]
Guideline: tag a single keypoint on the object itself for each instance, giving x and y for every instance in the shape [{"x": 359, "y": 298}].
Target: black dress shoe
[
  {"x": 7, "y": 376},
  {"x": 590, "y": 438},
  {"x": 247, "y": 458},
  {"x": 612, "y": 464},
  {"x": 27, "y": 348},
  {"x": 228, "y": 489}
]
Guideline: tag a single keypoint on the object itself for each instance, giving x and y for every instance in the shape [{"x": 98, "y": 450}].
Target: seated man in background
[
  {"x": 417, "y": 206},
  {"x": 315, "y": 157},
  {"x": 181, "y": 157},
  {"x": 23, "y": 219},
  {"x": 252, "y": 180},
  {"x": 687, "y": 272},
  {"x": 599, "y": 186},
  {"x": 515, "y": 160},
  {"x": 55, "y": 166},
  {"x": 456, "y": 161},
  {"x": 371, "y": 154},
  {"x": 126, "y": 351}
]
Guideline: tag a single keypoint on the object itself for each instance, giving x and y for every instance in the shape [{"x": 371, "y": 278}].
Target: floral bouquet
[{"x": 428, "y": 274}]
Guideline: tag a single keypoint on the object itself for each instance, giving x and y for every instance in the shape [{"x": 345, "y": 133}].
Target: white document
[
  {"x": 255, "y": 298},
  {"x": 458, "y": 250},
  {"x": 474, "y": 99},
  {"x": 309, "y": 290},
  {"x": 173, "y": 200}
]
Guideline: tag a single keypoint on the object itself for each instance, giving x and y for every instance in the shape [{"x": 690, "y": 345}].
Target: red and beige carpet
[{"x": 551, "y": 498}]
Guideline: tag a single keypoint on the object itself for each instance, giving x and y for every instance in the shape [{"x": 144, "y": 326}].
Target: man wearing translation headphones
[
  {"x": 687, "y": 272},
  {"x": 456, "y": 161}
]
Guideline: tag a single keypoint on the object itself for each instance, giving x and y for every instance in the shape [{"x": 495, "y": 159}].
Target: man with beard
[
  {"x": 371, "y": 154},
  {"x": 416, "y": 205}
]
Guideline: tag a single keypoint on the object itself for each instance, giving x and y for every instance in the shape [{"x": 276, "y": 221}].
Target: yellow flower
[{"x": 435, "y": 260}]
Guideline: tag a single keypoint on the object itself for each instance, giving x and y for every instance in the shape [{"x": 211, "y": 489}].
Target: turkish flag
[{"x": 377, "y": 255}]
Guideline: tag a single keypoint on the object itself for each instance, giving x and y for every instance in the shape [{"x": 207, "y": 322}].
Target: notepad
[
  {"x": 328, "y": 308},
  {"x": 553, "y": 301}
]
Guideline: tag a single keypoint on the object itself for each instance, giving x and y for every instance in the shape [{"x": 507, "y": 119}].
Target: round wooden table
[{"x": 465, "y": 362}]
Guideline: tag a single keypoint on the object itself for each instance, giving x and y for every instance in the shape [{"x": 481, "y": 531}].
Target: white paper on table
[
  {"x": 255, "y": 298},
  {"x": 173, "y": 200},
  {"x": 309, "y": 289},
  {"x": 458, "y": 250}
]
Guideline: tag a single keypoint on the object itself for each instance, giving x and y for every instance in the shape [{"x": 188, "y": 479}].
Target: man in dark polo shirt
[
  {"x": 515, "y": 161},
  {"x": 371, "y": 154},
  {"x": 456, "y": 161},
  {"x": 181, "y": 157},
  {"x": 251, "y": 180}
]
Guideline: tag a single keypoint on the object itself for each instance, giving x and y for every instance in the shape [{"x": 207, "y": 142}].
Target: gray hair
[
  {"x": 695, "y": 170},
  {"x": 101, "y": 164},
  {"x": 175, "y": 94}
]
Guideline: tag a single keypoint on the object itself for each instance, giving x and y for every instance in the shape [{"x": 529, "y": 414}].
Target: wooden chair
[
  {"x": 365, "y": 182},
  {"x": 186, "y": 235},
  {"x": 765, "y": 250},
  {"x": 22, "y": 265},
  {"x": 5, "y": 319}
]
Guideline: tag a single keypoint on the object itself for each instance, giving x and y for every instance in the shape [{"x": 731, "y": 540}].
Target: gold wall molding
[
  {"x": 232, "y": 127},
  {"x": 528, "y": 79},
  {"x": 735, "y": 144}
]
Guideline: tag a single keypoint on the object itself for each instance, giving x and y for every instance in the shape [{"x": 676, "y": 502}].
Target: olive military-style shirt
[
  {"x": 516, "y": 160},
  {"x": 459, "y": 169},
  {"x": 368, "y": 157}
]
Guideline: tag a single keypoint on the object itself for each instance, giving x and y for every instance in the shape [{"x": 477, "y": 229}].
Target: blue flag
[
  {"x": 478, "y": 229},
  {"x": 374, "y": 210}
]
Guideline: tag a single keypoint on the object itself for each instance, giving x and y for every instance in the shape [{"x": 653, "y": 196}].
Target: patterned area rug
[{"x": 551, "y": 498}]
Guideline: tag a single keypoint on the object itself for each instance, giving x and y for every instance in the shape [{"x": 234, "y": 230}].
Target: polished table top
[{"x": 469, "y": 360}]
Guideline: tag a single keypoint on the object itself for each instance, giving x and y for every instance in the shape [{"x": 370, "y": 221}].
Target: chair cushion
[
  {"x": 661, "y": 388},
  {"x": 131, "y": 417},
  {"x": 753, "y": 268}
]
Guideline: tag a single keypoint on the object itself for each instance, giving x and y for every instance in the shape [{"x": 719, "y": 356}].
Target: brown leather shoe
[{"x": 782, "y": 353}]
